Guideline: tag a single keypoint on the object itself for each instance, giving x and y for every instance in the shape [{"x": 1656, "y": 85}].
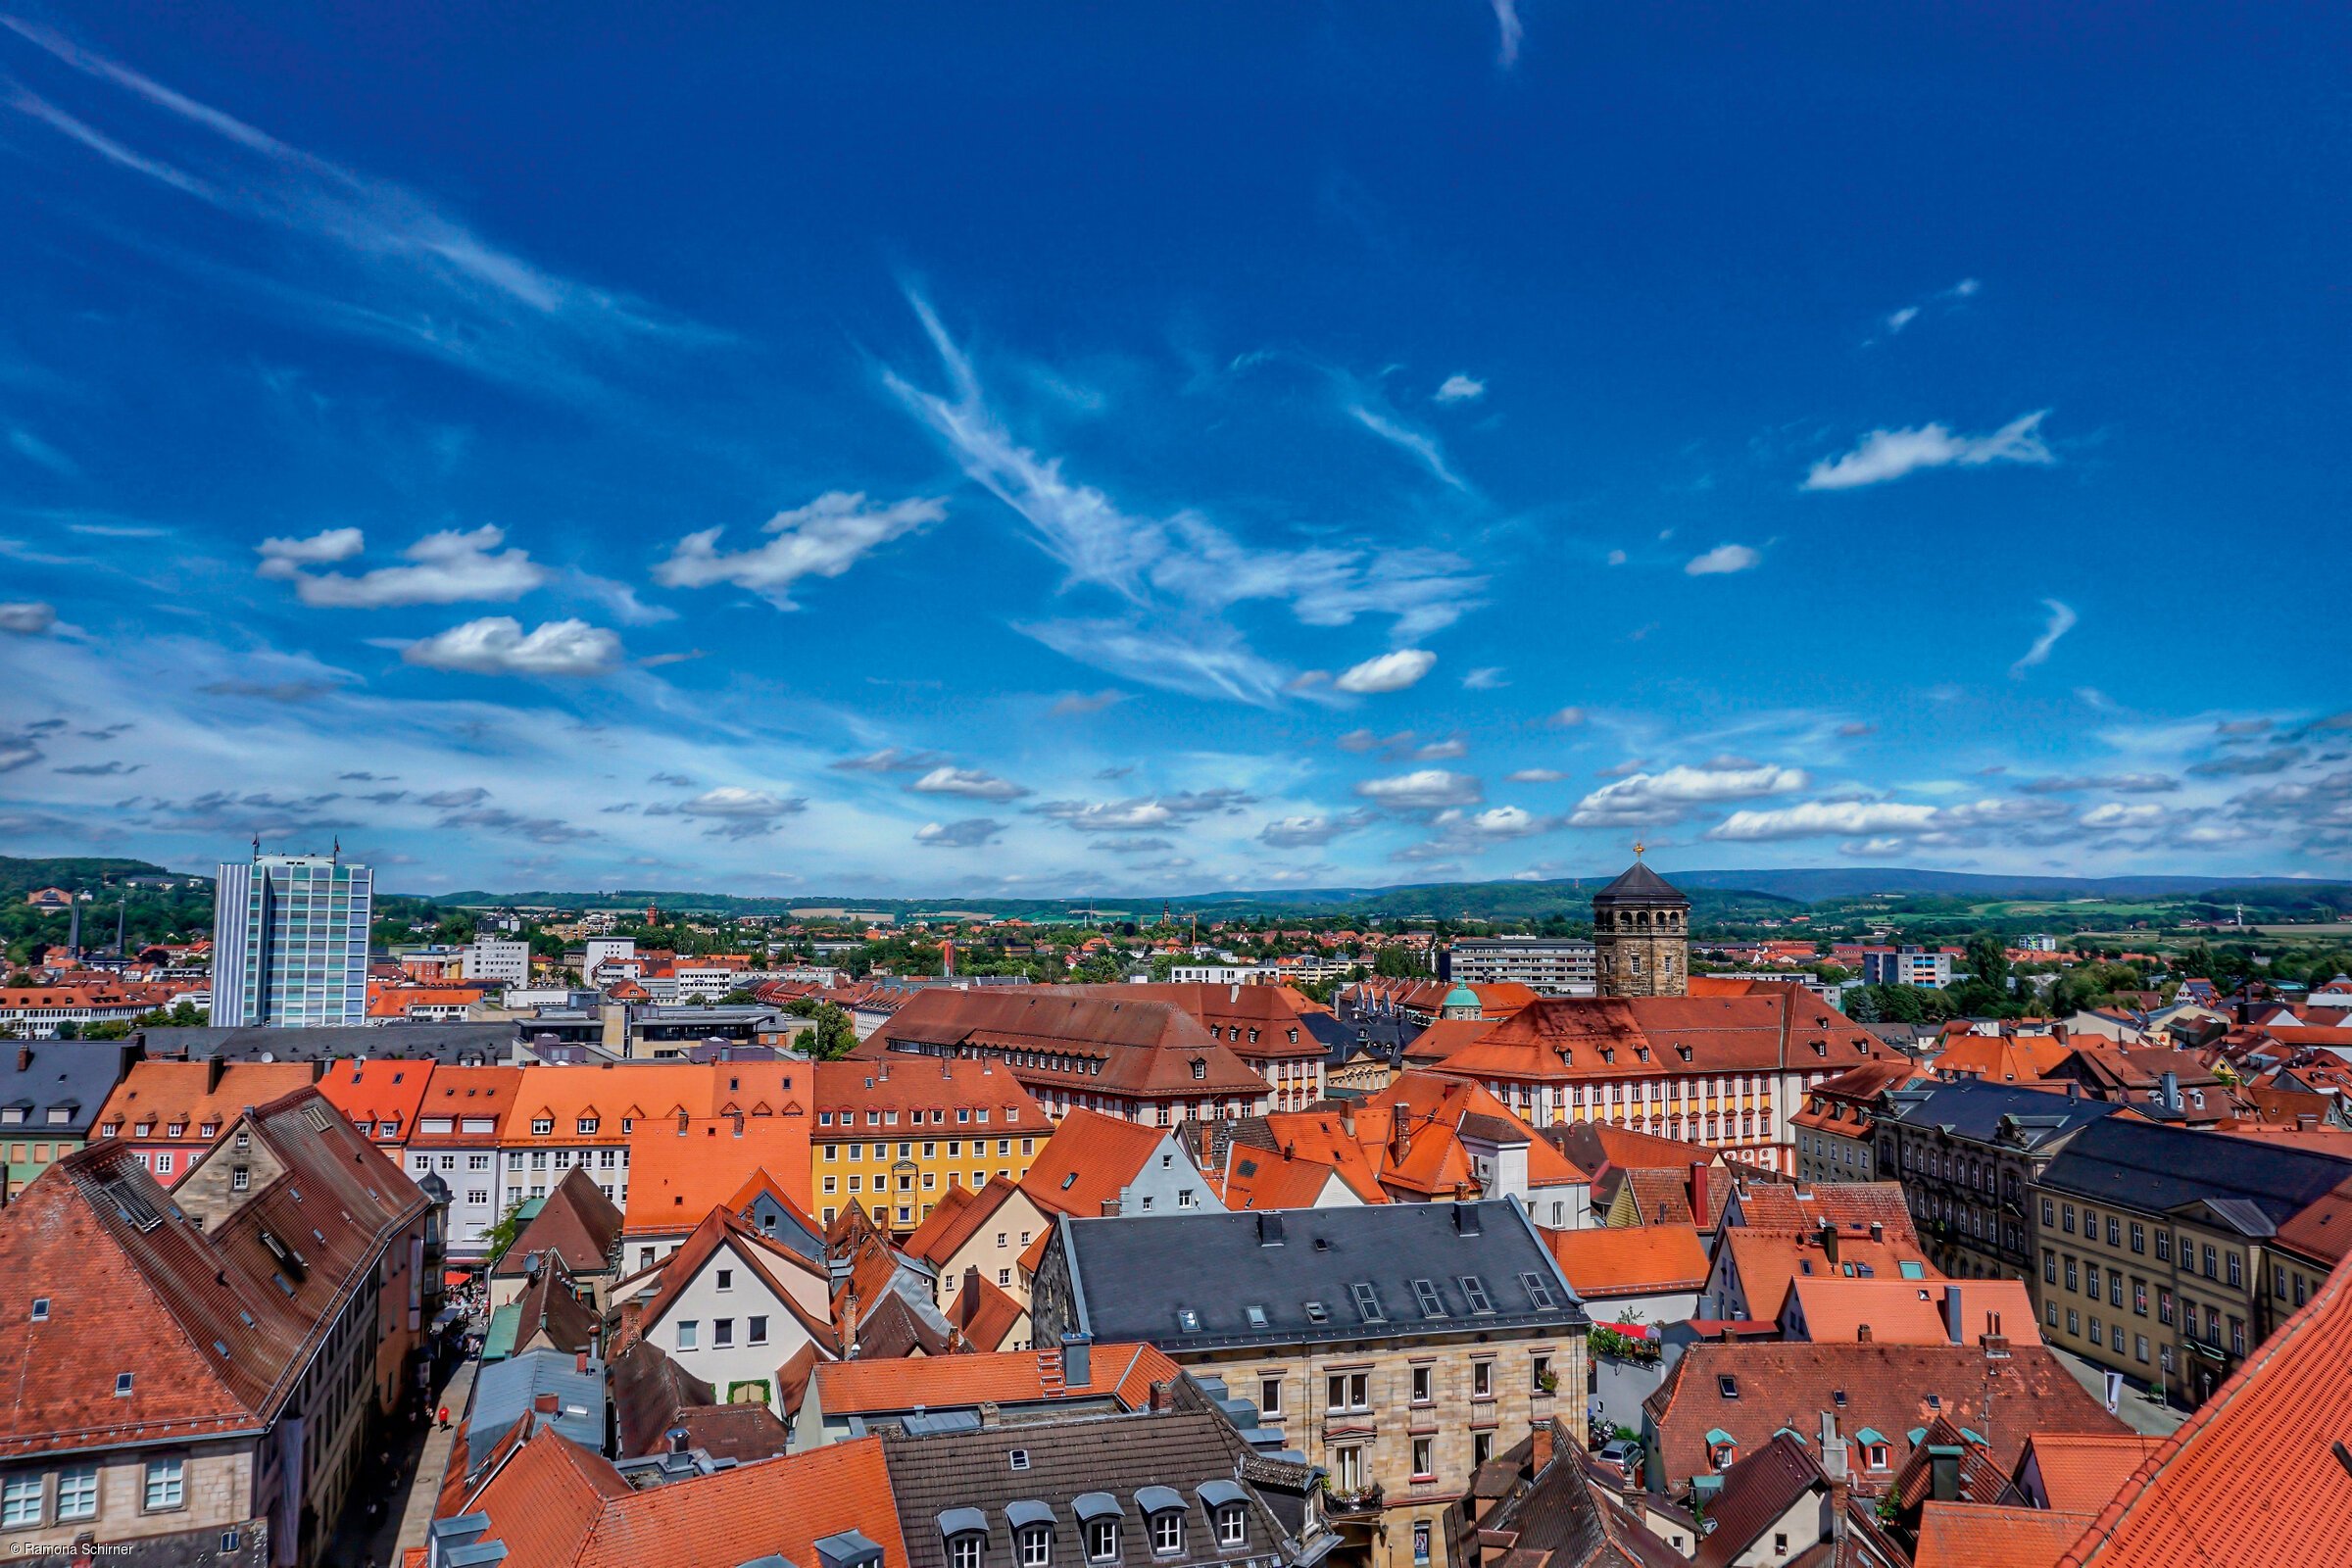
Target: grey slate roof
[
  {"x": 1638, "y": 884},
  {"x": 2243, "y": 1181},
  {"x": 41, "y": 1077},
  {"x": 503, "y": 1393},
  {"x": 451, "y": 1044},
  {"x": 1139, "y": 1277},
  {"x": 968, "y": 1477},
  {"x": 1971, "y": 1108}
]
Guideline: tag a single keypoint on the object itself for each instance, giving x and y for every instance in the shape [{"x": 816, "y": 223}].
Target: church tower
[{"x": 1641, "y": 935}]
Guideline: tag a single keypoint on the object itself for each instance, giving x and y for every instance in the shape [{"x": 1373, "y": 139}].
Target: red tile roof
[
  {"x": 1900, "y": 1311},
  {"x": 1261, "y": 1022},
  {"x": 1630, "y": 1260},
  {"x": 380, "y": 1091},
  {"x": 1574, "y": 1039},
  {"x": 912, "y": 1085},
  {"x": 556, "y": 1505},
  {"x": 2252, "y": 1477},
  {"x": 1009, "y": 1377},
  {"x": 983, "y": 1317},
  {"x": 194, "y": 1093},
  {"x": 1971, "y": 1535},
  {"x": 1086, "y": 1160},
  {"x": 2079, "y": 1473},
  {"x": 1140, "y": 1048},
  {"x": 193, "y": 1311},
  {"x": 677, "y": 1175}
]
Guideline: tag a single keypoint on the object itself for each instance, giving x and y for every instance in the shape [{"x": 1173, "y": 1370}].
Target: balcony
[{"x": 1364, "y": 1500}]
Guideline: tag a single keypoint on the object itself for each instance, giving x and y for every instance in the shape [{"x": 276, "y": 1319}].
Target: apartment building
[
  {"x": 290, "y": 941},
  {"x": 50, "y": 1097},
  {"x": 1728, "y": 1067},
  {"x": 1835, "y": 1132},
  {"x": 2157, "y": 1247},
  {"x": 1967, "y": 1151},
  {"x": 1146, "y": 1061},
  {"x": 1548, "y": 967},
  {"x": 1397, "y": 1346},
  {"x": 454, "y": 1137},
  {"x": 893, "y": 1134},
  {"x": 498, "y": 961},
  {"x": 1928, "y": 968},
  {"x": 1262, "y": 1024},
  {"x": 168, "y": 1114}
]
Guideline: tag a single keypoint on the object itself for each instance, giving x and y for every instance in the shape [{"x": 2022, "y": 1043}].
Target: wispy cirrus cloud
[
  {"x": 1884, "y": 455},
  {"x": 376, "y": 260},
  {"x": 1724, "y": 560},
  {"x": 1419, "y": 443},
  {"x": 1169, "y": 580},
  {"x": 1459, "y": 388},
  {"x": 973, "y": 782},
  {"x": 1509, "y": 30},
  {"x": 27, "y": 618},
  {"x": 2062, "y": 620},
  {"x": 1389, "y": 672}
]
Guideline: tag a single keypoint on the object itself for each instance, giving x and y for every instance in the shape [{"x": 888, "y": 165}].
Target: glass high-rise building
[{"x": 290, "y": 942}]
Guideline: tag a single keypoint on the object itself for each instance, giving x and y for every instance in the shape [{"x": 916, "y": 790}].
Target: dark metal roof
[
  {"x": 450, "y": 1045},
  {"x": 2157, "y": 1170},
  {"x": 1190, "y": 1282},
  {"x": 1641, "y": 885},
  {"x": 1976, "y": 1110},
  {"x": 74, "y": 1076}
]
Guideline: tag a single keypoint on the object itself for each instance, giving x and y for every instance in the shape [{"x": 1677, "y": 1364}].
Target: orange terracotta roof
[
  {"x": 1319, "y": 1138},
  {"x": 1630, "y": 1260},
  {"x": 378, "y": 1091},
  {"x": 1764, "y": 1261},
  {"x": 1900, "y": 1311},
  {"x": 1444, "y": 1038},
  {"x": 1086, "y": 1160},
  {"x": 1574, "y": 1039},
  {"x": 764, "y": 1258},
  {"x": 912, "y": 1087},
  {"x": 1259, "y": 1022},
  {"x": 675, "y": 1178},
  {"x": 462, "y": 1093},
  {"x": 1006, "y": 1377},
  {"x": 2252, "y": 1477},
  {"x": 2080, "y": 1473},
  {"x": 193, "y": 1094},
  {"x": 556, "y": 1505},
  {"x": 1439, "y": 1104},
  {"x": 983, "y": 1315},
  {"x": 2322, "y": 1230},
  {"x": 2002, "y": 1058},
  {"x": 1971, "y": 1534}
]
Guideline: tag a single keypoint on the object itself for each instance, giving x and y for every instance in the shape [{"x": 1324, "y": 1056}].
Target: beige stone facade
[
  {"x": 1641, "y": 950},
  {"x": 129, "y": 1494},
  {"x": 1400, "y": 1425}
]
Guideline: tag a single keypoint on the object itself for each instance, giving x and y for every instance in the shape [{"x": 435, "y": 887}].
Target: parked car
[{"x": 1622, "y": 1455}]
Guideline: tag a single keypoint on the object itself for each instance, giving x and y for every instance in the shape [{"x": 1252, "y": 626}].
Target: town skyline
[{"x": 1441, "y": 446}]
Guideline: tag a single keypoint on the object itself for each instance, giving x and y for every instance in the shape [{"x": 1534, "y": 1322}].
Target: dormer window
[
  {"x": 542, "y": 1126},
  {"x": 1233, "y": 1524},
  {"x": 964, "y": 1551},
  {"x": 1036, "y": 1546},
  {"x": 587, "y": 1124},
  {"x": 1199, "y": 1067}
]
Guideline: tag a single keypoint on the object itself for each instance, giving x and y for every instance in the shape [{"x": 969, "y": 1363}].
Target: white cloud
[
  {"x": 1422, "y": 790},
  {"x": 1486, "y": 678},
  {"x": 822, "y": 539},
  {"x": 497, "y": 645},
  {"x": 1616, "y": 557},
  {"x": 2062, "y": 620},
  {"x": 1896, "y": 320},
  {"x": 1536, "y": 775},
  {"x": 1724, "y": 558},
  {"x": 1510, "y": 31},
  {"x": 1443, "y": 750},
  {"x": 967, "y": 781},
  {"x": 37, "y": 450},
  {"x": 27, "y": 618},
  {"x": 450, "y": 568},
  {"x": 1901, "y": 319},
  {"x": 734, "y": 811},
  {"x": 1389, "y": 672},
  {"x": 2115, "y": 815},
  {"x": 1668, "y": 796},
  {"x": 1815, "y": 818},
  {"x": 1494, "y": 824},
  {"x": 1305, "y": 832},
  {"x": 969, "y": 833},
  {"x": 281, "y": 556},
  {"x": 1420, "y": 443},
  {"x": 1077, "y": 704},
  {"x": 890, "y": 759},
  {"x": 1571, "y": 717},
  {"x": 1459, "y": 388},
  {"x": 1106, "y": 817},
  {"x": 1884, "y": 455}
]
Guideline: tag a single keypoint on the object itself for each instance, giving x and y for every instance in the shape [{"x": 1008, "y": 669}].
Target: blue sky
[{"x": 1153, "y": 449}]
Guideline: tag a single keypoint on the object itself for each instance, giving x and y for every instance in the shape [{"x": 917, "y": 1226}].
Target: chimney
[
  {"x": 1951, "y": 1314},
  {"x": 1110, "y": 1205},
  {"x": 1878, "y": 1231},
  {"x": 1829, "y": 1241},
  {"x": 1540, "y": 1447},
  {"x": 2074, "y": 1090},
  {"x": 2172, "y": 1089},
  {"x": 1834, "y": 1467},
  {"x": 1347, "y": 1117},
  {"x": 545, "y": 1403},
  {"x": 1077, "y": 1353},
  {"x": 1995, "y": 1343},
  {"x": 1700, "y": 1196},
  {"x": 1862, "y": 1334},
  {"x": 213, "y": 1066},
  {"x": 24, "y": 1059},
  {"x": 1397, "y": 1135},
  {"x": 2306, "y": 1121},
  {"x": 677, "y": 1440}
]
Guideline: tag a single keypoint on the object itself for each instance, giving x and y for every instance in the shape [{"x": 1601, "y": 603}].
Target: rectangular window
[
  {"x": 759, "y": 1331},
  {"x": 2140, "y": 1243},
  {"x": 2164, "y": 1246},
  {"x": 1348, "y": 1391},
  {"x": 689, "y": 1333},
  {"x": 1475, "y": 1289},
  {"x": 1425, "y": 1459},
  {"x": 1101, "y": 1534},
  {"x": 1269, "y": 1397},
  {"x": 1482, "y": 1380},
  {"x": 722, "y": 1332},
  {"x": 1167, "y": 1533},
  {"x": 21, "y": 1501},
  {"x": 77, "y": 1492},
  {"x": 1425, "y": 1385},
  {"x": 165, "y": 1485},
  {"x": 964, "y": 1551}
]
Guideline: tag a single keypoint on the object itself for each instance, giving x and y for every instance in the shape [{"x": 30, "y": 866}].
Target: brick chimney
[
  {"x": 1862, "y": 1334},
  {"x": 24, "y": 1059},
  {"x": 1540, "y": 1447},
  {"x": 1702, "y": 1196},
  {"x": 1398, "y": 1135},
  {"x": 1994, "y": 1341}
]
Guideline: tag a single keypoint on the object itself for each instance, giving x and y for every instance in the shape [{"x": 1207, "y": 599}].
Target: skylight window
[
  {"x": 1257, "y": 1317},
  {"x": 1367, "y": 1303},
  {"x": 1728, "y": 1386},
  {"x": 1475, "y": 1287},
  {"x": 1432, "y": 1303},
  {"x": 40, "y": 1309},
  {"x": 1539, "y": 1291},
  {"x": 1188, "y": 1319},
  {"x": 1318, "y": 1312}
]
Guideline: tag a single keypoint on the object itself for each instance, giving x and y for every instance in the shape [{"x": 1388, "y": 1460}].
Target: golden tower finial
[{"x": 1638, "y": 847}]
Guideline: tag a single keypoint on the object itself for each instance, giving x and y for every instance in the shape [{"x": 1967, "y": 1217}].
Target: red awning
[{"x": 455, "y": 1277}]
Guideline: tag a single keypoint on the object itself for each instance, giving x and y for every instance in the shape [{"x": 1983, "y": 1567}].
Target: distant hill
[
  {"x": 1716, "y": 895},
  {"x": 78, "y": 872}
]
